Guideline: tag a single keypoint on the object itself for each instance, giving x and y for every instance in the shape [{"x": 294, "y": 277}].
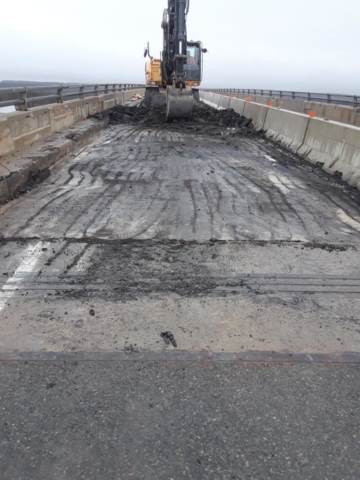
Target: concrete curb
[{"x": 10, "y": 186}]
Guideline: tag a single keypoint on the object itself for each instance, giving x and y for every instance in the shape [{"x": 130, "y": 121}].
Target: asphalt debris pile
[{"x": 204, "y": 118}]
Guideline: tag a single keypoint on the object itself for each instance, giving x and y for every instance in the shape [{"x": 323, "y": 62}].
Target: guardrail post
[
  {"x": 23, "y": 94},
  {"x": 59, "y": 95},
  {"x": 81, "y": 91},
  {"x": 114, "y": 88},
  {"x": 293, "y": 95},
  {"x": 328, "y": 98},
  {"x": 106, "y": 89},
  {"x": 309, "y": 96},
  {"x": 96, "y": 93},
  {"x": 356, "y": 101}
]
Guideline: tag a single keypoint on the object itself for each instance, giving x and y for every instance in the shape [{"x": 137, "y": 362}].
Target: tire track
[
  {"x": 42, "y": 209},
  {"x": 261, "y": 188}
]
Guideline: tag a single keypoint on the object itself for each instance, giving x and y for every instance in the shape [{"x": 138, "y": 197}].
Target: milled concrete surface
[{"x": 240, "y": 251}]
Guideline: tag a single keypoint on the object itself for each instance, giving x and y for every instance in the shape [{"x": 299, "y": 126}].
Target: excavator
[{"x": 174, "y": 79}]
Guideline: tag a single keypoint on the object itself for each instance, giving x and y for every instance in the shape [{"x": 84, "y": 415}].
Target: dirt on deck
[{"x": 204, "y": 118}]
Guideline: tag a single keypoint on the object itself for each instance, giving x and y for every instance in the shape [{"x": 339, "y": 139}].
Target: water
[{"x": 7, "y": 109}]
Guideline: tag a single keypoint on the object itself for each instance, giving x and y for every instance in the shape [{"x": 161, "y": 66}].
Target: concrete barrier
[
  {"x": 20, "y": 129},
  {"x": 257, "y": 112},
  {"x": 338, "y": 113},
  {"x": 288, "y": 128},
  {"x": 216, "y": 99},
  {"x": 289, "y": 104},
  {"x": 6, "y": 141},
  {"x": 261, "y": 100},
  {"x": 211, "y": 97},
  {"x": 357, "y": 118},
  {"x": 237, "y": 105},
  {"x": 329, "y": 111},
  {"x": 335, "y": 145},
  {"x": 208, "y": 96},
  {"x": 224, "y": 101}
]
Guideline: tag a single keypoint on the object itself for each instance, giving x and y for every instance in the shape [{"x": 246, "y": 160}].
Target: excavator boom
[{"x": 181, "y": 62}]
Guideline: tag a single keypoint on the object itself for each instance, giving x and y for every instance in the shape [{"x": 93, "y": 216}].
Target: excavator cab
[
  {"x": 193, "y": 67},
  {"x": 180, "y": 102}
]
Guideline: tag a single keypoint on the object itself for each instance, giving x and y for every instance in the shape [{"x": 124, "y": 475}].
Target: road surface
[{"x": 251, "y": 260}]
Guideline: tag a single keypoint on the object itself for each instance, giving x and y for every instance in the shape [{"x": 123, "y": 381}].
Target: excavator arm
[
  {"x": 179, "y": 100},
  {"x": 175, "y": 42},
  {"x": 181, "y": 62}
]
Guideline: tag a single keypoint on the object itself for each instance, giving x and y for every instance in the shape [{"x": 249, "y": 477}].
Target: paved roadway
[{"x": 250, "y": 259}]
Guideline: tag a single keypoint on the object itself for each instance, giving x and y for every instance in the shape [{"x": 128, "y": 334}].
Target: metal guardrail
[
  {"x": 23, "y": 101},
  {"x": 353, "y": 100}
]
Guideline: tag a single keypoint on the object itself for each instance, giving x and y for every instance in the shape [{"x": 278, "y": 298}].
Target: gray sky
[{"x": 309, "y": 45}]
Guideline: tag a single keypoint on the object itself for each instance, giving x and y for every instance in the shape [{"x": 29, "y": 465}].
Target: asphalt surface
[
  {"x": 118, "y": 420},
  {"x": 249, "y": 257}
]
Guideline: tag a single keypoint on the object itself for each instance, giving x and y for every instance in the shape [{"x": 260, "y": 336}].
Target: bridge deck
[{"x": 239, "y": 250}]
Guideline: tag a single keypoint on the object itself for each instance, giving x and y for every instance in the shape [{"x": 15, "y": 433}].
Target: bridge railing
[
  {"x": 352, "y": 100},
  {"x": 23, "y": 97}
]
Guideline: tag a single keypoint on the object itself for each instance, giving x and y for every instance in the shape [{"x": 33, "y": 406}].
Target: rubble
[{"x": 204, "y": 118}]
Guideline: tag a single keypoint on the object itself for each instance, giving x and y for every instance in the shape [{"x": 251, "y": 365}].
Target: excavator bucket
[{"x": 179, "y": 103}]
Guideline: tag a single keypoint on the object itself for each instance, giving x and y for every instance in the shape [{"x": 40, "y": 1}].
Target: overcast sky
[{"x": 310, "y": 45}]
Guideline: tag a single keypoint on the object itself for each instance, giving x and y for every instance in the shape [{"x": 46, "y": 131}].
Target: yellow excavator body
[{"x": 153, "y": 72}]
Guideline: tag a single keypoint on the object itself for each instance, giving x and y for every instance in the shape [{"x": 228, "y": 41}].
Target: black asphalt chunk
[
  {"x": 169, "y": 338},
  {"x": 204, "y": 119}
]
